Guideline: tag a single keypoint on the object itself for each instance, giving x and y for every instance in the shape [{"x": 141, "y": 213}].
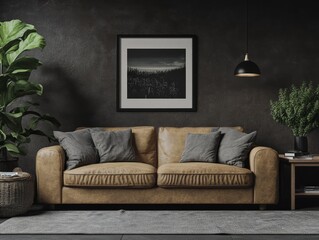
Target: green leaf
[
  {"x": 12, "y": 115},
  {"x": 22, "y": 88},
  {"x": 21, "y": 71},
  {"x": 14, "y": 134},
  {"x": 20, "y": 75},
  {"x": 20, "y": 109},
  {"x": 25, "y": 64},
  {"x": 3, "y": 136},
  {"x": 33, "y": 40},
  {"x": 11, "y": 148},
  {"x": 10, "y": 47},
  {"x": 11, "y": 30},
  {"x": 18, "y": 89},
  {"x": 297, "y": 108},
  {"x": 12, "y": 120},
  {"x": 3, "y": 90},
  {"x": 50, "y": 119},
  {"x": 33, "y": 113},
  {"x": 40, "y": 118},
  {"x": 13, "y": 47},
  {"x": 20, "y": 138},
  {"x": 29, "y": 132},
  {"x": 24, "y": 108}
]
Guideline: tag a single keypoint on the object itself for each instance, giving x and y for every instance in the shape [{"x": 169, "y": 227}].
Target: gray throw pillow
[
  {"x": 234, "y": 146},
  {"x": 201, "y": 147},
  {"x": 114, "y": 146},
  {"x": 78, "y": 146}
]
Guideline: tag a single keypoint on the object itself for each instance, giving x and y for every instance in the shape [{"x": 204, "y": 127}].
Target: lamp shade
[{"x": 247, "y": 68}]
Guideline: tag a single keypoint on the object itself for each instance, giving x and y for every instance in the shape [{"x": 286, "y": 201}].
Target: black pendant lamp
[{"x": 247, "y": 68}]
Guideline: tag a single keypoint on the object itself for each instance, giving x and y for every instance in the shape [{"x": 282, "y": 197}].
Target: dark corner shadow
[
  {"x": 154, "y": 207},
  {"x": 63, "y": 95},
  {"x": 35, "y": 210}
]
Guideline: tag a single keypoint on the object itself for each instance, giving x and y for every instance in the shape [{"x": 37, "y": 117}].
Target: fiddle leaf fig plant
[
  {"x": 297, "y": 108},
  {"x": 18, "y": 117}
]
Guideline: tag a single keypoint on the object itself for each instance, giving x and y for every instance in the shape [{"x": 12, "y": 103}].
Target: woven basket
[{"x": 16, "y": 194}]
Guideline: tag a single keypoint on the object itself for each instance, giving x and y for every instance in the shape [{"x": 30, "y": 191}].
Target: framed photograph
[{"x": 156, "y": 73}]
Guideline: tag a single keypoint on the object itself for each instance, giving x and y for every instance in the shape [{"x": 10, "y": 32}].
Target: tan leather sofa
[{"x": 158, "y": 177}]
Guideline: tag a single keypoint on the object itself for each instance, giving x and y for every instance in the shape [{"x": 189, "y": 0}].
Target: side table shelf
[
  {"x": 294, "y": 163},
  {"x": 307, "y": 194}
]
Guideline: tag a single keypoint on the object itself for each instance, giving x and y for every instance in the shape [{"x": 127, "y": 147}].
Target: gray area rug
[{"x": 164, "y": 222}]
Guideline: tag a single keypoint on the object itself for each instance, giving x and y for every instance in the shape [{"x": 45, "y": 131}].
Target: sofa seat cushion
[
  {"x": 203, "y": 175},
  {"x": 115, "y": 175}
]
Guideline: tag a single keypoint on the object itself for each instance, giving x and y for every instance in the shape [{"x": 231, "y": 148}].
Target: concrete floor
[
  {"x": 156, "y": 237},
  {"x": 151, "y": 237}
]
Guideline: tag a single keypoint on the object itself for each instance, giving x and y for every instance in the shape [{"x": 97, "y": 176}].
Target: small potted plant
[
  {"x": 18, "y": 118},
  {"x": 298, "y": 109}
]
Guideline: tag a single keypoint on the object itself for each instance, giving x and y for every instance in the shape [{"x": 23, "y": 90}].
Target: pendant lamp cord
[{"x": 246, "y": 26}]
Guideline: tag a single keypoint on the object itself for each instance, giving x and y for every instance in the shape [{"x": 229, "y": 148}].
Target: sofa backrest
[
  {"x": 171, "y": 142},
  {"x": 145, "y": 142}
]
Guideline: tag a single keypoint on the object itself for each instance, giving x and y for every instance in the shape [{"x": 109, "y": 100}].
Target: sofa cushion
[
  {"x": 203, "y": 175},
  {"x": 118, "y": 174},
  {"x": 79, "y": 147},
  {"x": 235, "y": 146},
  {"x": 114, "y": 146},
  {"x": 144, "y": 140},
  {"x": 201, "y": 147},
  {"x": 171, "y": 142}
]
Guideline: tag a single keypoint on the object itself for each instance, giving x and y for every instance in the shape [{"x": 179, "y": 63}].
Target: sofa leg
[{"x": 262, "y": 207}]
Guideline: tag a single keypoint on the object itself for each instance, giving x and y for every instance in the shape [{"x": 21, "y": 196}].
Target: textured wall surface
[{"x": 79, "y": 61}]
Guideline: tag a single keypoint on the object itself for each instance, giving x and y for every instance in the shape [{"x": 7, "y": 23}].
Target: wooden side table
[{"x": 294, "y": 163}]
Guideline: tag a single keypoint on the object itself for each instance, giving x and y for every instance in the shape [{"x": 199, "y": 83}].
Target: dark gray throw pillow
[
  {"x": 234, "y": 146},
  {"x": 114, "y": 146},
  {"x": 201, "y": 147},
  {"x": 78, "y": 146}
]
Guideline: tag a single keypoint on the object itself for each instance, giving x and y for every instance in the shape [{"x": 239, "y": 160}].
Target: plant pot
[
  {"x": 7, "y": 164},
  {"x": 301, "y": 144}
]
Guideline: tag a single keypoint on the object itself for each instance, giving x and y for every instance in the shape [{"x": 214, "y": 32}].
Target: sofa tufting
[{"x": 158, "y": 177}]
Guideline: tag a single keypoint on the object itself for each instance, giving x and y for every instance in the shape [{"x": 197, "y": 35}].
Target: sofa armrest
[
  {"x": 50, "y": 162},
  {"x": 264, "y": 164}
]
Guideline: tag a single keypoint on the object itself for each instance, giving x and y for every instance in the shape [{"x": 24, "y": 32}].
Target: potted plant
[
  {"x": 18, "y": 118},
  {"x": 298, "y": 109}
]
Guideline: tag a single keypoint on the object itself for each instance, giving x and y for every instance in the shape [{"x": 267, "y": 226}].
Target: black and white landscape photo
[{"x": 156, "y": 73}]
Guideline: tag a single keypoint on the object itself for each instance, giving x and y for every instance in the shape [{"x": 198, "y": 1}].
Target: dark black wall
[{"x": 79, "y": 61}]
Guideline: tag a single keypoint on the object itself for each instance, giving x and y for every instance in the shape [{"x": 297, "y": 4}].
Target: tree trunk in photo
[
  {"x": 7, "y": 163},
  {"x": 301, "y": 144}
]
